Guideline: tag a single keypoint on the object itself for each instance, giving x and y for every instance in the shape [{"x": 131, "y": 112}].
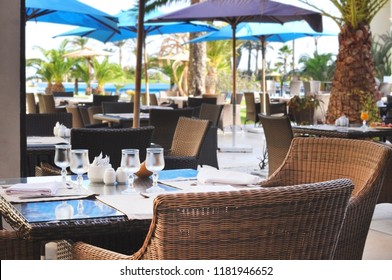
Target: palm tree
[
  {"x": 382, "y": 54},
  {"x": 105, "y": 72},
  {"x": 54, "y": 67},
  {"x": 320, "y": 67},
  {"x": 353, "y": 86}
]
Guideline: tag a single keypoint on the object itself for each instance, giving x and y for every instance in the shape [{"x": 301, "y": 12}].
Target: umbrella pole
[
  {"x": 234, "y": 27},
  {"x": 146, "y": 72},
  {"x": 139, "y": 54},
  {"x": 263, "y": 48}
]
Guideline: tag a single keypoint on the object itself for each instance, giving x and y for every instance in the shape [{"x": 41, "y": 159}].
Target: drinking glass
[
  {"x": 155, "y": 162},
  {"x": 62, "y": 159},
  {"x": 79, "y": 164},
  {"x": 130, "y": 163},
  {"x": 364, "y": 118}
]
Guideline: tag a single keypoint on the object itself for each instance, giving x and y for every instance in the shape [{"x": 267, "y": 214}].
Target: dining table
[
  {"x": 351, "y": 132},
  {"x": 95, "y": 213}
]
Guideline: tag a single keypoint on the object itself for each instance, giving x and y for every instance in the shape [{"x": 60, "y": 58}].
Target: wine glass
[
  {"x": 155, "y": 162},
  {"x": 62, "y": 159},
  {"x": 79, "y": 164},
  {"x": 130, "y": 163},
  {"x": 364, "y": 118}
]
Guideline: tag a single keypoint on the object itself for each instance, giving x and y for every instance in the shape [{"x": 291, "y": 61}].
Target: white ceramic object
[
  {"x": 121, "y": 176},
  {"x": 96, "y": 173},
  {"x": 109, "y": 176}
]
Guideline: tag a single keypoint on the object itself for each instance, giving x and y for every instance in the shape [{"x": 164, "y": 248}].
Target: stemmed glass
[
  {"x": 62, "y": 159},
  {"x": 155, "y": 162},
  {"x": 79, "y": 164},
  {"x": 364, "y": 118},
  {"x": 130, "y": 163}
]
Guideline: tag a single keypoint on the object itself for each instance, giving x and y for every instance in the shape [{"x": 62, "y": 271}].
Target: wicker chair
[
  {"x": 272, "y": 108},
  {"x": 208, "y": 153},
  {"x": 42, "y": 124},
  {"x": 32, "y": 107},
  {"x": 186, "y": 145},
  {"x": 296, "y": 222},
  {"x": 98, "y": 99},
  {"x": 278, "y": 135},
  {"x": 312, "y": 160},
  {"x": 252, "y": 108},
  {"x": 164, "y": 123},
  {"x": 153, "y": 99},
  {"x": 117, "y": 107},
  {"x": 47, "y": 105},
  {"x": 12, "y": 247},
  {"x": 110, "y": 141},
  {"x": 76, "y": 116}
]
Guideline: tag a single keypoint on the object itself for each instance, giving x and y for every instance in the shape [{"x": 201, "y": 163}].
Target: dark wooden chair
[{"x": 98, "y": 99}]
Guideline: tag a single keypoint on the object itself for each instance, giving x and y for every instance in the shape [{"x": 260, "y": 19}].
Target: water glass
[
  {"x": 62, "y": 159},
  {"x": 155, "y": 162},
  {"x": 130, "y": 163},
  {"x": 79, "y": 163}
]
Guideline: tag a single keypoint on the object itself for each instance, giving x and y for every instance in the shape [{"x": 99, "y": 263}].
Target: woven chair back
[
  {"x": 282, "y": 223},
  {"x": 189, "y": 136},
  {"x": 278, "y": 136},
  {"x": 110, "y": 141}
]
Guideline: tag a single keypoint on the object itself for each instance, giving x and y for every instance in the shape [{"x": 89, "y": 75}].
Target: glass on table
[
  {"x": 130, "y": 163},
  {"x": 79, "y": 163},
  {"x": 364, "y": 118},
  {"x": 155, "y": 162},
  {"x": 62, "y": 159}
]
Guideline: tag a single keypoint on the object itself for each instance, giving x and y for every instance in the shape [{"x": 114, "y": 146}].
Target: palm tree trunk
[{"x": 353, "y": 80}]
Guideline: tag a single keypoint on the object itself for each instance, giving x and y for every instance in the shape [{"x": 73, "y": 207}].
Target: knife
[{"x": 50, "y": 196}]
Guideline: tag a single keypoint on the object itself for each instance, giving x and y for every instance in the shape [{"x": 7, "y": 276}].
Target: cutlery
[
  {"x": 144, "y": 195},
  {"x": 48, "y": 196}
]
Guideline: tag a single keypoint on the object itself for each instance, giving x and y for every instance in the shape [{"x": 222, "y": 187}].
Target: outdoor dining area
[{"x": 292, "y": 170}]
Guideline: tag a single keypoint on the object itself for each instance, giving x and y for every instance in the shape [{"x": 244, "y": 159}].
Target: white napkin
[
  {"x": 48, "y": 188},
  {"x": 210, "y": 176}
]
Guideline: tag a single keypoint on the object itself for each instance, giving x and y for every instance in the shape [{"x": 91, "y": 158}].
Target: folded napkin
[
  {"x": 49, "y": 188},
  {"x": 209, "y": 176}
]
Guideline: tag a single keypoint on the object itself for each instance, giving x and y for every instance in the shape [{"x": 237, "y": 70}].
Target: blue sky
[{"x": 42, "y": 33}]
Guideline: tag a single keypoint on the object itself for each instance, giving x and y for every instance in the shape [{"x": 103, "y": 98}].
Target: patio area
[{"x": 379, "y": 241}]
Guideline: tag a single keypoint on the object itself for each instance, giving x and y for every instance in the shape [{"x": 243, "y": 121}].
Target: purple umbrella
[{"x": 236, "y": 11}]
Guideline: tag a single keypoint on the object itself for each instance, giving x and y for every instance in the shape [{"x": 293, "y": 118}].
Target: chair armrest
[
  {"x": 84, "y": 251},
  {"x": 180, "y": 162}
]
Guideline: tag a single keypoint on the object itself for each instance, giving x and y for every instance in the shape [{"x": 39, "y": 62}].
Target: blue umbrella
[
  {"x": 128, "y": 29},
  {"x": 243, "y": 11},
  {"x": 265, "y": 32},
  {"x": 69, "y": 12}
]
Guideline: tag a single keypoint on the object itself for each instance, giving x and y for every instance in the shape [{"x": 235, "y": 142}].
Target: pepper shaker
[{"x": 109, "y": 176}]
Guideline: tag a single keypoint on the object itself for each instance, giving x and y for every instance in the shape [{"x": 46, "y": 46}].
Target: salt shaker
[
  {"x": 121, "y": 175},
  {"x": 109, "y": 176}
]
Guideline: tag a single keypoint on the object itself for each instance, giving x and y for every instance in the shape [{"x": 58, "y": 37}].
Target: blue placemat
[{"x": 177, "y": 174}]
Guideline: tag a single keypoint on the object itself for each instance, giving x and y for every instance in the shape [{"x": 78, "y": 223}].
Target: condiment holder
[{"x": 97, "y": 169}]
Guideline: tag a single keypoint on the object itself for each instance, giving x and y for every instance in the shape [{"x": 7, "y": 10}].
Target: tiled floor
[{"x": 379, "y": 242}]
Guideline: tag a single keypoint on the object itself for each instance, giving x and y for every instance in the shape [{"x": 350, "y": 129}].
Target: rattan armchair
[
  {"x": 252, "y": 108},
  {"x": 164, "y": 123},
  {"x": 296, "y": 222},
  {"x": 42, "y": 124},
  {"x": 110, "y": 141},
  {"x": 312, "y": 160},
  {"x": 278, "y": 135},
  {"x": 186, "y": 145}
]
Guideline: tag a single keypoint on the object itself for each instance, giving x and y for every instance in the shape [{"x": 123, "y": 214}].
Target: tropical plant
[
  {"x": 301, "y": 109},
  {"x": 105, "y": 72},
  {"x": 53, "y": 68},
  {"x": 320, "y": 67},
  {"x": 382, "y": 54},
  {"x": 218, "y": 54},
  {"x": 354, "y": 66},
  {"x": 284, "y": 56}
]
